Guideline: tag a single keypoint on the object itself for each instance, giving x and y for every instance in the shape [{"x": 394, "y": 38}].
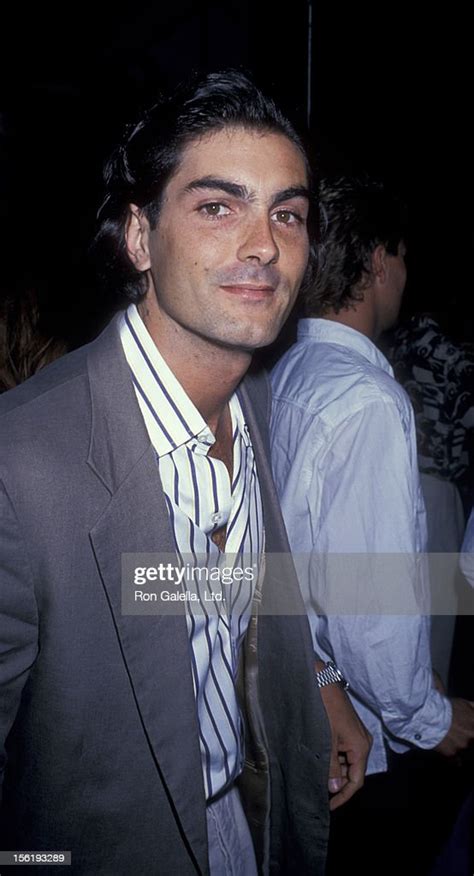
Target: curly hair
[
  {"x": 143, "y": 163},
  {"x": 356, "y": 215}
]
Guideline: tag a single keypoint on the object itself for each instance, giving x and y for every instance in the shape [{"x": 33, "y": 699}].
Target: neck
[
  {"x": 361, "y": 317},
  {"x": 209, "y": 373}
]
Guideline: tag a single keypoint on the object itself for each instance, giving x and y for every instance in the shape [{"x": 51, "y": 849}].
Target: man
[
  {"x": 124, "y": 733},
  {"x": 437, "y": 372},
  {"x": 344, "y": 456}
]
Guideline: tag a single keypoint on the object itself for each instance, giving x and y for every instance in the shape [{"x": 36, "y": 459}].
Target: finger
[
  {"x": 355, "y": 780},
  {"x": 345, "y": 771},
  {"x": 356, "y": 772},
  {"x": 336, "y": 779}
]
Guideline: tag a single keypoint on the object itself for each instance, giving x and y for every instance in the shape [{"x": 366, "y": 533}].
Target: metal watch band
[{"x": 331, "y": 675}]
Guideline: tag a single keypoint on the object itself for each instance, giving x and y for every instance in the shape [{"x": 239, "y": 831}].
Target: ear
[
  {"x": 137, "y": 236},
  {"x": 379, "y": 263}
]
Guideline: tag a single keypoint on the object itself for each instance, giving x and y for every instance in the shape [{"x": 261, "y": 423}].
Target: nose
[{"x": 258, "y": 242}]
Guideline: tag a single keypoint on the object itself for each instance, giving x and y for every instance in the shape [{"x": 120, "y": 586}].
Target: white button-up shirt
[
  {"x": 200, "y": 499},
  {"x": 345, "y": 466}
]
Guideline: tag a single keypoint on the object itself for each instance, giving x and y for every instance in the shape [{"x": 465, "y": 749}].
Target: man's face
[{"x": 231, "y": 245}]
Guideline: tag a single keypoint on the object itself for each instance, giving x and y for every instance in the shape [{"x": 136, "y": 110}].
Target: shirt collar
[
  {"x": 177, "y": 417},
  {"x": 330, "y": 332}
]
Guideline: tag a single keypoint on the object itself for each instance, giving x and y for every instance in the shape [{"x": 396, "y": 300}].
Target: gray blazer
[{"x": 99, "y": 743}]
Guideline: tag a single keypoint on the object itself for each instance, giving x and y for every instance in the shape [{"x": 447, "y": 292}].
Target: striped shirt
[{"x": 201, "y": 499}]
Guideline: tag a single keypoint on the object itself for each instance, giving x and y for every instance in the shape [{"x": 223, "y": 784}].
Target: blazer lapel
[
  {"x": 280, "y": 593},
  {"x": 255, "y": 401},
  {"x": 155, "y": 648}
]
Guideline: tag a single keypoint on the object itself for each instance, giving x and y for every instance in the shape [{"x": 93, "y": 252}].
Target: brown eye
[
  {"x": 287, "y": 217},
  {"x": 214, "y": 210}
]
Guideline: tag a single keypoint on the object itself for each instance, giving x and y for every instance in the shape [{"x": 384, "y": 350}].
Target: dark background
[{"x": 390, "y": 90}]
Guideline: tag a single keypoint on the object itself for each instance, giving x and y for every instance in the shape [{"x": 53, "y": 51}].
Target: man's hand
[
  {"x": 351, "y": 744},
  {"x": 461, "y": 731}
]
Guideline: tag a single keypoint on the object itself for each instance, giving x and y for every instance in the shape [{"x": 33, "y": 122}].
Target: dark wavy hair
[
  {"x": 150, "y": 152},
  {"x": 356, "y": 214}
]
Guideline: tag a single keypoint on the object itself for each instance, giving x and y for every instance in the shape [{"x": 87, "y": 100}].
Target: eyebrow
[
  {"x": 292, "y": 192},
  {"x": 234, "y": 190}
]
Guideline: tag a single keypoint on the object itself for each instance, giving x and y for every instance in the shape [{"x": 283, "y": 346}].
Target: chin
[
  {"x": 246, "y": 343},
  {"x": 248, "y": 337},
  {"x": 257, "y": 340}
]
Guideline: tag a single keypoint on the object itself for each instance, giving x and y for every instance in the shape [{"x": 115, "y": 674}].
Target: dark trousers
[{"x": 402, "y": 820}]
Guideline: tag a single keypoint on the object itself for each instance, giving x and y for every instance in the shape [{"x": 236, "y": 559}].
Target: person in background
[
  {"x": 345, "y": 464},
  {"x": 436, "y": 367},
  {"x": 437, "y": 370},
  {"x": 25, "y": 347}
]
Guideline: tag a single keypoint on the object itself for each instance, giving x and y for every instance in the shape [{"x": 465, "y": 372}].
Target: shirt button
[
  {"x": 215, "y": 518},
  {"x": 418, "y": 736}
]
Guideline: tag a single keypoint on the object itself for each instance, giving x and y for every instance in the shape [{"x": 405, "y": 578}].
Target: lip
[{"x": 250, "y": 292}]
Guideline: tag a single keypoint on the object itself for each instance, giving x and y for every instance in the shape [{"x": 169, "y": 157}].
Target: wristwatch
[{"x": 331, "y": 675}]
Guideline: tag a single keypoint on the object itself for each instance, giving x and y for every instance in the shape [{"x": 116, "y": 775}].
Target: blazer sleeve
[{"x": 18, "y": 620}]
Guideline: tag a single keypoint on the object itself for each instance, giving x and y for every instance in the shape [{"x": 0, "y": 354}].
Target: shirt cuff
[{"x": 427, "y": 726}]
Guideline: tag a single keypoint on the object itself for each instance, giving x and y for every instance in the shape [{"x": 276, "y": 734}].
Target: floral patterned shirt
[{"x": 439, "y": 378}]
